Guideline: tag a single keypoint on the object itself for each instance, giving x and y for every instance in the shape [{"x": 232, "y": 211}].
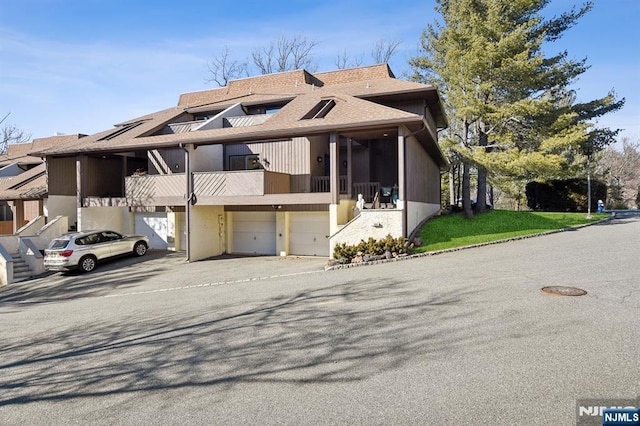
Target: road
[{"x": 461, "y": 338}]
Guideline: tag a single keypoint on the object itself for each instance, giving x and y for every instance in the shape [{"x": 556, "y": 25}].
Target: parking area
[{"x": 158, "y": 270}]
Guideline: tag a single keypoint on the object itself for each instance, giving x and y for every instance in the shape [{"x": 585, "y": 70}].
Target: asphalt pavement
[{"x": 464, "y": 338}]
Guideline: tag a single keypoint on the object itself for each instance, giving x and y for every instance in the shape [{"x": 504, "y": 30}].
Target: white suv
[{"x": 83, "y": 250}]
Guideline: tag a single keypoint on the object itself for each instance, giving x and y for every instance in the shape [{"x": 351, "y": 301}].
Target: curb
[{"x": 451, "y": 250}]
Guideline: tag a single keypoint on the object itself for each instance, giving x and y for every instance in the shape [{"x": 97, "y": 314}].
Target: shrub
[
  {"x": 372, "y": 247},
  {"x": 569, "y": 195}
]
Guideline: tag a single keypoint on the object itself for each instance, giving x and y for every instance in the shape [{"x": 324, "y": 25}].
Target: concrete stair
[{"x": 21, "y": 270}]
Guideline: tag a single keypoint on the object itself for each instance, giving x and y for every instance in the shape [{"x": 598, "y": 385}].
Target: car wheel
[
  {"x": 87, "y": 263},
  {"x": 140, "y": 248}
]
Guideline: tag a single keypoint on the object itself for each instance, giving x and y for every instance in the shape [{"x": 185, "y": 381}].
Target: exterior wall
[
  {"x": 154, "y": 225},
  {"x": 102, "y": 177},
  {"x": 32, "y": 209},
  {"x": 62, "y": 205},
  {"x": 290, "y": 156},
  {"x": 207, "y": 232},
  {"x": 114, "y": 218},
  {"x": 370, "y": 223},
  {"x": 165, "y": 161},
  {"x": 318, "y": 148},
  {"x": 423, "y": 184},
  {"x": 360, "y": 164},
  {"x": 283, "y": 228},
  {"x": 61, "y": 176},
  {"x": 419, "y": 212},
  {"x": 345, "y": 211},
  {"x": 208, "y": 158},
  {"x": 176, "y": 232}
]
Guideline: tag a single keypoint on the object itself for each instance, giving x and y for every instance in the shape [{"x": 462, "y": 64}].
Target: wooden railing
[
  {"x": 163, "y": 189},
  {"x": 367, "y": 189},
  {"x": 323, "y": 184},
  {"x": 241, "y": 182}
]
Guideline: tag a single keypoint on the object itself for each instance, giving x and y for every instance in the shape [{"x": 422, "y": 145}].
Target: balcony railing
[
  {"x": 367, "y": 189},
  {"x": 323, "y": 184},
  {"x": 171, "y": 189},
  {"x": 241, "y": 182},
  {"x": 155, "y": 190}
]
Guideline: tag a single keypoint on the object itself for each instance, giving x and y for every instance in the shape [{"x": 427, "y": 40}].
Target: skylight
[
  {"x": 120, "y": 130},
  {"x": 320, "y": 110}
]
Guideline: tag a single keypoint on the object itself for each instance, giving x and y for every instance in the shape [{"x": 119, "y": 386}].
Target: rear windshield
[{"x": 58, "y": 244}]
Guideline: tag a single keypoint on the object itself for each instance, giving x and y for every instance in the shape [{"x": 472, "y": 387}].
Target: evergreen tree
[{"x": 511, "y": 111}]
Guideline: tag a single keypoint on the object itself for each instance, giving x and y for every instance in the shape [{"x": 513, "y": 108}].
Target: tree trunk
[
  {"x": 466, "y": 189},
  {"x": 452, "y": 188},
  {"x": 481, "y": 194}
]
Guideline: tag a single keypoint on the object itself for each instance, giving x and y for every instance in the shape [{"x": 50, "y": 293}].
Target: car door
[
  {"x": 100, "y": 246},
  {"x": 117, "y": 243}
]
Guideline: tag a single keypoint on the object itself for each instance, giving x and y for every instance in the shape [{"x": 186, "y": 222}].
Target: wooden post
[
  {"x": 334, "y": 170},
  {"x": 402, "y": 186}
]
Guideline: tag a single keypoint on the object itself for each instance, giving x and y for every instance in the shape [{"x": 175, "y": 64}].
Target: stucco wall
[
  {"x": 114, "y": 218},
  {"x": 61, "y": 205},
  {"x": 418, "y": 212},
  {"x": 370, "y": 223},
  {"x": 207, "y": 232}
]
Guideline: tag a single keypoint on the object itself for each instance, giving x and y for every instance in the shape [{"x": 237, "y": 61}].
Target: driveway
[
  {"x": 463, "y": 338},
  {"x": 157, "y": 271}
]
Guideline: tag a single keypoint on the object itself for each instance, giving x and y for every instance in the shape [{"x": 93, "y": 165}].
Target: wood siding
[
  {"x": 32, "y": 209},
  {"x": 61, "y": 175},
  {"x": 6, "y": 227},
  {"x": 423, "y": 174},
  {"x": 292, "y": 157},
  {"x": 102, "y": 177},
  {"x": 416, "y": 106},
  {"x": 155, "y": 190},
  {"x": 246, "y": 182}
]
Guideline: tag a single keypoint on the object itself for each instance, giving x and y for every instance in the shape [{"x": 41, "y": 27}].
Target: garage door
[
  {"x": 254, "y": 232},
  {"x": 308, "y": 234},
  {"x": 154, "y": 226}
]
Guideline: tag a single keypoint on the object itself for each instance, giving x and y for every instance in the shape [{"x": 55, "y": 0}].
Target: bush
[
  {"x": 372, "y": 247},
  {"x": 568, "y": 195}
]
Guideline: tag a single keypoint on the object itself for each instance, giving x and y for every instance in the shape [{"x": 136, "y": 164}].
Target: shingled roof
[
  {"x": 30, "y": 185},
  {"x": 297, "y": 92}
]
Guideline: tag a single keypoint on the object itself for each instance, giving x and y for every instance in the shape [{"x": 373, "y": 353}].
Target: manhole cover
[{"x": 564, "y": 291}]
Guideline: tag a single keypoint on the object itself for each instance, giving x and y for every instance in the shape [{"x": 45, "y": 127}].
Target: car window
[
  {"x": 91, "y": 239},
  {"x": 111, "y": 236},
  {"x": 58, "y": 244}
]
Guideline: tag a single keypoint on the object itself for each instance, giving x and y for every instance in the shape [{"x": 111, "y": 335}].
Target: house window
[
  {"x": 320, "y": 110},
  {"x": 245, "y": 162}
]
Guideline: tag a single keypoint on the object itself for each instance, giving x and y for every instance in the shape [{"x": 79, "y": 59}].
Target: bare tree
[
  {"x": 619, "y": 168},
  {"x": 384, "y": 50},
  {"x": 11, "y": 134},
  {"x": 222, "y": 69},
  {"x": 344, "y": 61},
  {"x": 285, "y": 54}
]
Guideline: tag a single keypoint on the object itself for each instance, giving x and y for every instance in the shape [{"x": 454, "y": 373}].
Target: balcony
[{"x": 216, "y": 188}]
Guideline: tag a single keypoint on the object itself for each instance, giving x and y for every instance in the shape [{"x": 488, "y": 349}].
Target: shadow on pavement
[
  {"x": 122, "y": 272},
  {"x": 340, "y": 333}
]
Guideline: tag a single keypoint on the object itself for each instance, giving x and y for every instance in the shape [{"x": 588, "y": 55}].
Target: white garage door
[
  {"x": 154, "y": 226},
  {"x": 309, "y": 233},
  {"x": 254, "y": 232}
]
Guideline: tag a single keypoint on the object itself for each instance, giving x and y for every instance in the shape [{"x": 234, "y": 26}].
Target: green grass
[{"x": 454, "y": 230}]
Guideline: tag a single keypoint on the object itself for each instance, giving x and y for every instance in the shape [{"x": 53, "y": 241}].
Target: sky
[{"x": 72, "y": 66}]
